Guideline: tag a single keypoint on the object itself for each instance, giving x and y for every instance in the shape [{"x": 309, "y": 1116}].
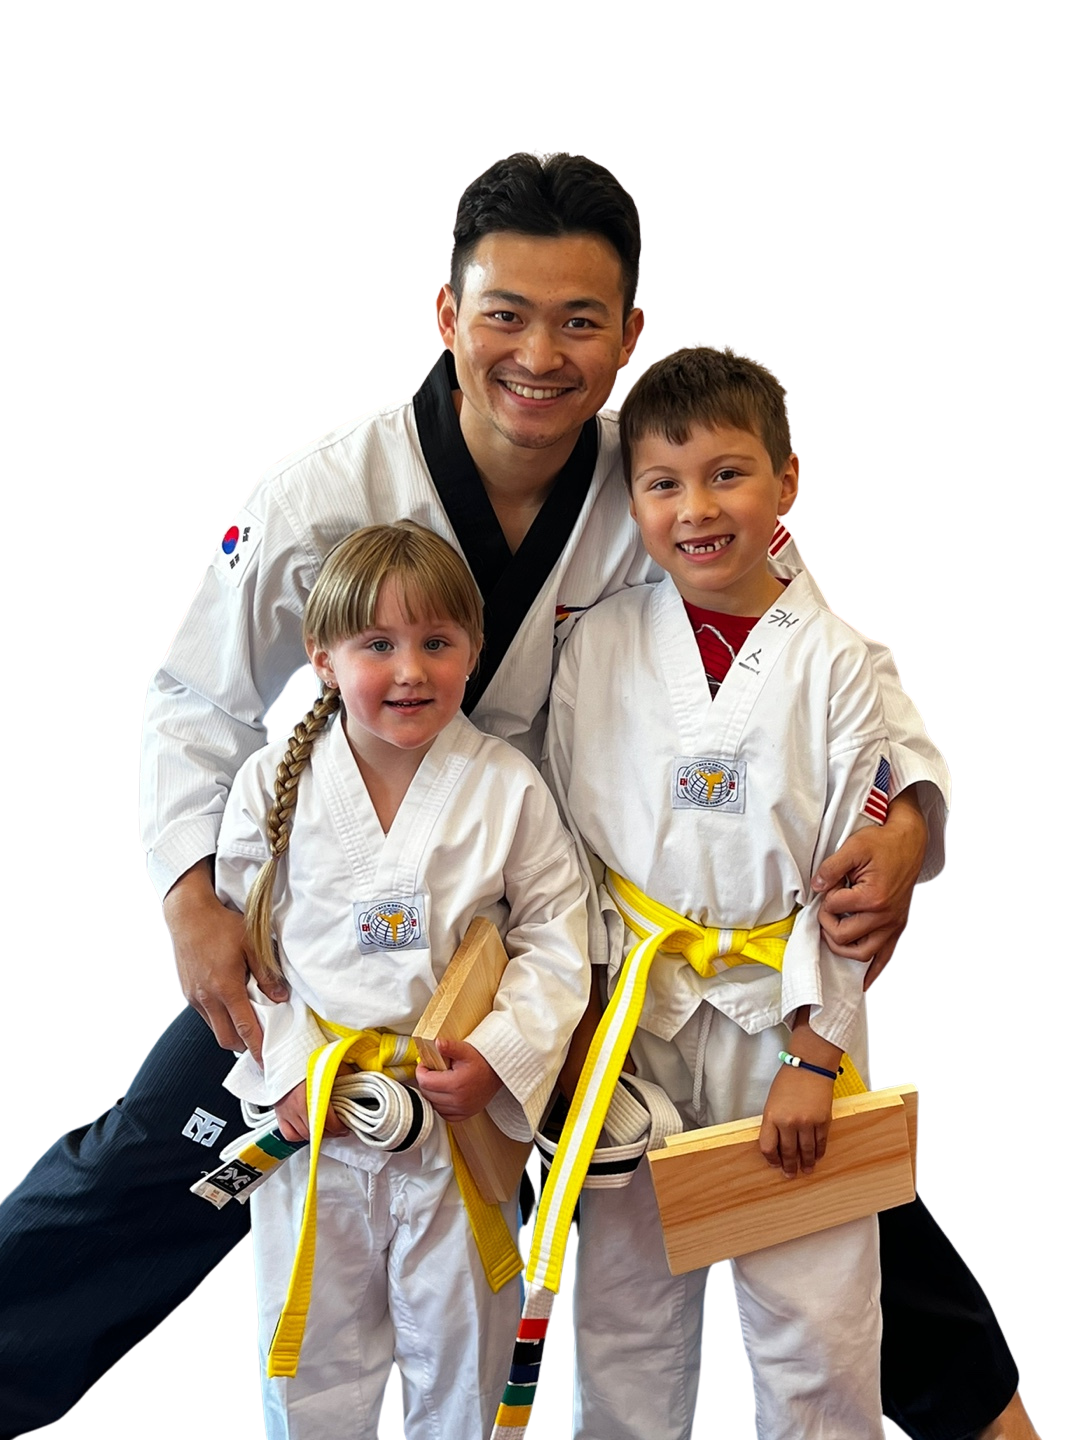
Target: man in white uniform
[{"x": 503, "y": 451}]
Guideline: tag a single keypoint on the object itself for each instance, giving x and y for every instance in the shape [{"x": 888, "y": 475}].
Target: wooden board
[
  {"x": 462, "y": 999},
  {"x": 719, "y": 1198}
]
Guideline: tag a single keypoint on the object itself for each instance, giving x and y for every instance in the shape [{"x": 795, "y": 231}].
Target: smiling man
[{"x": 502, "y": 450}]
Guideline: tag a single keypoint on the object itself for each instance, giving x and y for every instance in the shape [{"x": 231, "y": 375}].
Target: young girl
[{"x": 362, "y": 848}]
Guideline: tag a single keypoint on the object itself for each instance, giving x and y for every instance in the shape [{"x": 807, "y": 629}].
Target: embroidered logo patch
[
  {"x": 706, "y": 783},
  {"x": 391, "y": 924},
  {"x": 203, "y": 1127},
  {"x": 236, "y": 1177},
  {"x": 238, "y": 545}
]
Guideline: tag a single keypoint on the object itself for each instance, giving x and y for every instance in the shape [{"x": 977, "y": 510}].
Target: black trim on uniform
[{"x": 509, "y": 583}]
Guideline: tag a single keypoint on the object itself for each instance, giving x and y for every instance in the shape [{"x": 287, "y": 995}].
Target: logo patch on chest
[
  {"x": 704, "y": 782},
  {"x": 396, "y": 924}
]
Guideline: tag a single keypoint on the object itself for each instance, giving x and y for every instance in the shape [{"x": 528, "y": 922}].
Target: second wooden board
[{"x": 718, "y": 1197}]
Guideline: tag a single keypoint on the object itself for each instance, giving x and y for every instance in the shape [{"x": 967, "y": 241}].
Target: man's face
[{"x": 537, "y": 336}]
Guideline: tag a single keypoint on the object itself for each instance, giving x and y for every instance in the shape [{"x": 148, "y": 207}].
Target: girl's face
[{"x": 401, "y": 680}]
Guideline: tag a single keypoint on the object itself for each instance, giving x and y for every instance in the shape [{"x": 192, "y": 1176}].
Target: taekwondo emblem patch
[
  {"x": 238, "y": 545},
  {"x": 391, "y": 924},
  {"x": 706, "y": 783}
]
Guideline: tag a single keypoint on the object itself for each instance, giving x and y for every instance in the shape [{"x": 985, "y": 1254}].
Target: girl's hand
[
  {"x": 464, "y": 1088},
  {"x": 292, "y": 1113},
  {"x": 796, "y": 1120}
]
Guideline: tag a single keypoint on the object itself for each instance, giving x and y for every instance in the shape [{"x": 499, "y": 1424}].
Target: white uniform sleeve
[
  {"x": 605, "y": 924},
  {"x": 546, "y": 983},
  {"x": 290, "y": 1031},
  {"x": 238, "y": 645},
  {"x": 857, "y": 742},
  {"x": 915, "y": 760}
]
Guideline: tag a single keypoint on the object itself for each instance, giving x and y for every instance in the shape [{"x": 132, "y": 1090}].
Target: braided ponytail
[{"x": 260, "y": 902}]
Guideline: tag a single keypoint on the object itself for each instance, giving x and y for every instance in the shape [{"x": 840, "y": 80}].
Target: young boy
[{"x": 712, "y": 738}]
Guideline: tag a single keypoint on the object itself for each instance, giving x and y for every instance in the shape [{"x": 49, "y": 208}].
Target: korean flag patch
[{"x": 238, "y": 545}]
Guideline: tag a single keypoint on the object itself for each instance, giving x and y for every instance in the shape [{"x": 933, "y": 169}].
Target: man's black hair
[{"x": 548, "y": 195}]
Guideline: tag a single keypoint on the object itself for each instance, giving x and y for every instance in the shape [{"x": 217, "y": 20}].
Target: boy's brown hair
[{"x": 701, "y": 386}]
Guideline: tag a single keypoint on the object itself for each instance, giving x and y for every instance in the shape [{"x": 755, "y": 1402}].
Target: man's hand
[
  {"x": 882, "y": 864},
  {"x": 213, "y": 961},
  {"x": 464, "y": 1088}
]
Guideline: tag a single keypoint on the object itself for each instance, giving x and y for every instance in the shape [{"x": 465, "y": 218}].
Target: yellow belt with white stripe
[
  {"x": 657, "y": 929},
  {"x": 397, "y": 1057}
]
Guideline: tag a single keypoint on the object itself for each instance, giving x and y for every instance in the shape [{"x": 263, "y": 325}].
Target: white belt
[
  {"x": 380, "y": 1111},
  {"x": 639, "y": 1117}
]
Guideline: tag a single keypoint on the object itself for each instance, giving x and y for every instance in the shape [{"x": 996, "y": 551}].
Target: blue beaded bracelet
[{"x": 799, "y": 1064}]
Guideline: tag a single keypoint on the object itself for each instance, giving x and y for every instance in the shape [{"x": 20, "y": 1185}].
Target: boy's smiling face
[{"x": 707, "y": 511}]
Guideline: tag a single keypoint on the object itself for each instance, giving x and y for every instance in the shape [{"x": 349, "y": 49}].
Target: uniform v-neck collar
[{"x": 508, "y": 582}]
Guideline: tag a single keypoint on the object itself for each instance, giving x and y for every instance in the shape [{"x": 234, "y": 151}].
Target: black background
[{"x": 223, "y": 306}]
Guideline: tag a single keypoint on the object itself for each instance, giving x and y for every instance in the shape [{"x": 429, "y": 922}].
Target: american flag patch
[
  {"x": 781, "y": 537},
  {"x": 878, "y": 797}
]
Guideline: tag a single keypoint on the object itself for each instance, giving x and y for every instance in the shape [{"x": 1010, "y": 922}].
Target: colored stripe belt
[
  {"x": 396, "y": 1055},
  {"x": 657, "y": 929}
]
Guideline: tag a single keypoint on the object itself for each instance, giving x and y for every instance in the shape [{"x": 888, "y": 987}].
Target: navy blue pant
[{"x": 102, "y": 1240}]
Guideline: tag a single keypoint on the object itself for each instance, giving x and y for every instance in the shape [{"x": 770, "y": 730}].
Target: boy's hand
[
  {"x": 464, "y": 1088},
  {"x": 796, "y": 1120},
  {"x": 865, "y": 921},
  {"x": 292, "y": 1113}
]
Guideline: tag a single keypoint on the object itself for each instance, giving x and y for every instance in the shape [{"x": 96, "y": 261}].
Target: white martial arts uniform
[
  {"x": 791, "y": 745},
  {"x": 241, "y": 640},
  {"x": 397, "y": 1273}
]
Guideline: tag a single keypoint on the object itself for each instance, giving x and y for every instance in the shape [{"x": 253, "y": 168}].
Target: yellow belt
[
  {"x": 657, "y": 928},
  {"x": 396, "y": 1056},
  {"x": 654, "y": 923}
]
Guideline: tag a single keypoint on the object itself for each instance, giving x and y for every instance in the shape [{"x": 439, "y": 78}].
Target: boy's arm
[
  {"x": 868, "y": 882},
  {"x": 822, "y": 993},
  {"x": 866, "y": 921},
  {"x": 796, "y": 1117}
]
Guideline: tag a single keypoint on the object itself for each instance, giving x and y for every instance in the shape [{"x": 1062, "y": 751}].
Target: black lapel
[{"x": 509, "y": 583}]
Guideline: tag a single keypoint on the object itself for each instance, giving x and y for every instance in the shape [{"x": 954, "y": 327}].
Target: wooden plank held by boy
[
  {"x": 461, "y": 1000},
  {"x": 718, "y": 1198}
]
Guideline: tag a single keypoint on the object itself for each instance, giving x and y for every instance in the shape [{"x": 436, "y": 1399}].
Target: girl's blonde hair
[{"x": 434, "y": 582}]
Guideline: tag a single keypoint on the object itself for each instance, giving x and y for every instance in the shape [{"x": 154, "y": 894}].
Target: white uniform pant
[
  {"x": 809, "y": 1308},
  {"x": 397, "y": 1279}
]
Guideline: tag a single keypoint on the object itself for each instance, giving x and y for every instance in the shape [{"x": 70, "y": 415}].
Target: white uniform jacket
[
  {"x": 241, "y": 639},
  {"x": 721, "y": 809},
  {"x": 366, "y": 921}
]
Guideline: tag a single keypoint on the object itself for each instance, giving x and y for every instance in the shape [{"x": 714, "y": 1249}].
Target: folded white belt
[
  {"x": 639, "y": 1117},
  {"x": 380, "y": 1111}
]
